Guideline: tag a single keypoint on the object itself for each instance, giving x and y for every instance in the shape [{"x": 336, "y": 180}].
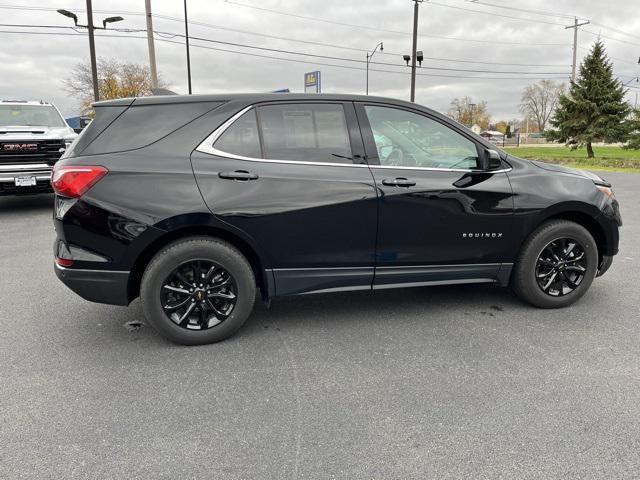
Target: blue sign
[{"x": 312, "y": 83}]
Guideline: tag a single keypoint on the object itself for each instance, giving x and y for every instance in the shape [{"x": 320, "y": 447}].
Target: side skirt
[{"x": 297, "y": 281}]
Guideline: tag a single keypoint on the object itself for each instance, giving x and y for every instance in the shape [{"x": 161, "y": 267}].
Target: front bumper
[
  {"x": 9, "y": 173},
  {"x": 100, "y": 286}
]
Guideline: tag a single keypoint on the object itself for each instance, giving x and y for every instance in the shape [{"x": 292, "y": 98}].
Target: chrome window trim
[
  {"x": 436, "y": 169},
  {"x": 206, "y": 146}
]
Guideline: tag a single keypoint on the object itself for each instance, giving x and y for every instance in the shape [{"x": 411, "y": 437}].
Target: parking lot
[{"x": 445, "y": 382}]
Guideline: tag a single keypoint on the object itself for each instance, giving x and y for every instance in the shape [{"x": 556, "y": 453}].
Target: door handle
[
  {"x": 398, "y": 182},
  {"x": 238, "y": 175}
]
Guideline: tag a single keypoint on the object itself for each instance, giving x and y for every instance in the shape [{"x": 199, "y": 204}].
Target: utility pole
[
  {"x": 186, "y": 38},
  {"x": 414, "y": 48},
  {"x": 575, "y": 43},
  {"x": 152, "y": 48}
]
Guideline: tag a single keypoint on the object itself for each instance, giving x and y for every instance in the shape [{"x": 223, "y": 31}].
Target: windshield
[{"x": 30, "y": 115}]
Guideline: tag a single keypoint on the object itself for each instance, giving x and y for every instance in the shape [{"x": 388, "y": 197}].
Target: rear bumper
[{"x": 100, "y": 286}]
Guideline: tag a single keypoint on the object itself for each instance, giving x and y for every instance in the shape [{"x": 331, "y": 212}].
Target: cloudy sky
[{"x": 469, "y": 45}]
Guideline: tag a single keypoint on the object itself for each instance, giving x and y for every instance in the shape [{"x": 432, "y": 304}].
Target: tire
[
  {"x": 525, "y": 278},
  {"x": 184, "y": 258}
]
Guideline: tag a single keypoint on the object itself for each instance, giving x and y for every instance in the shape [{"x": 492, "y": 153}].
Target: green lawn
[{"x": 607, "y": 158}]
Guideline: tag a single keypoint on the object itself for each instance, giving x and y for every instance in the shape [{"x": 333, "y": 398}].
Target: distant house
[{"x": 493, "y": 135}]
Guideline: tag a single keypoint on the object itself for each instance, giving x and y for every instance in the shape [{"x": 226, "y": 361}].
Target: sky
[{"x": 468, "y": 46}]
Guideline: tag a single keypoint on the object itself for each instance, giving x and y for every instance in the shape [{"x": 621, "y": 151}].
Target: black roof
[
  {"x": 248, "y": 97},
  {"x": 260, "y": 97}
]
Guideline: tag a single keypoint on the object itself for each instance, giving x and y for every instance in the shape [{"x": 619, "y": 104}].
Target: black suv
[{"x": 196, "y": 203}]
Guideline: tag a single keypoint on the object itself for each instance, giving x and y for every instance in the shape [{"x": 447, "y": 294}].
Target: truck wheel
[
  {"x": 556, "y": 265},
  {"x": 198, "y": 290}
]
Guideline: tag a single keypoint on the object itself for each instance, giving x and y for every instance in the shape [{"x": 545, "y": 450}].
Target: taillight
[
  {"x": 64, "y": 262},
  {"x": 73, "y": 181}
]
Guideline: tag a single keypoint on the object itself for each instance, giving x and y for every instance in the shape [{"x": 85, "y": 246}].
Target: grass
[{"x": 613, "y": 159}]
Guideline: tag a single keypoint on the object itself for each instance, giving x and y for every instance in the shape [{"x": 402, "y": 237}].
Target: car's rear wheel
[
  {"x": 198, "y": 290},
  {"x": 556, "y": 266}
]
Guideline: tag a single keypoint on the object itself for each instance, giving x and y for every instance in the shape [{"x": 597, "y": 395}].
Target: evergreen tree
[
  {"x": 594, "y": 108},
  {"x": 634, "y": 136}
]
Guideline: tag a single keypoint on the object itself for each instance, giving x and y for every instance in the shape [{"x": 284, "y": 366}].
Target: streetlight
[
  {"x": 369, "y": 57},
  {"x": 419, "y": 56},
  {"x": 186, "y": 38},
  {"x": 92, "y": 46},
  {"x": 471, "y": 107}
]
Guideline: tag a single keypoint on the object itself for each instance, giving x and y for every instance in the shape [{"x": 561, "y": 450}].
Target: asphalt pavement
[{"x": 441, "y": 382}]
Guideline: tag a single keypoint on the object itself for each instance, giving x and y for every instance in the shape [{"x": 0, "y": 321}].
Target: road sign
[{"x": 312, "y": 83}]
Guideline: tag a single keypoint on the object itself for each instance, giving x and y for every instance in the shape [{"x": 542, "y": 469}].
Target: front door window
[{"x": 407, "y": 139}]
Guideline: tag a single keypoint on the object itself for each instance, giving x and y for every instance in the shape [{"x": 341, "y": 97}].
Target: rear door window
[
  {"x": 306, "y": 132},
  {"x": 242, "y": 137}
]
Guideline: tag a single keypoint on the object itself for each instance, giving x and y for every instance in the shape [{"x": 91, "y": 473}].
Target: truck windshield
[{"x": 30, "y": 115}]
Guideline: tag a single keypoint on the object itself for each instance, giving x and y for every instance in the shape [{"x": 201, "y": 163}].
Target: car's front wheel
[
  {"x": 198, "y": 290},
  {"x": 556, "y": 266}
]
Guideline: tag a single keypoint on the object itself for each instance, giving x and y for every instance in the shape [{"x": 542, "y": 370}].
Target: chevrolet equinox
[{"x": 199, "y": 204}]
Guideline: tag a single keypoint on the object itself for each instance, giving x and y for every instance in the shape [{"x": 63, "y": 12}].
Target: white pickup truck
[{"x": 33, "y": 136}]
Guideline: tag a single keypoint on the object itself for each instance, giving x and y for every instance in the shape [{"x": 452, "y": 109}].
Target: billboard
[{"x": 312, "y": 83}]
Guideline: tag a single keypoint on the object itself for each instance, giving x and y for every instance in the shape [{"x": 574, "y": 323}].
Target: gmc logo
[{"x": 20, "y": 147}]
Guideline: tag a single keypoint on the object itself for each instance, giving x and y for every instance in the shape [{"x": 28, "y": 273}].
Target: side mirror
[{"x": 491, "y": 160}]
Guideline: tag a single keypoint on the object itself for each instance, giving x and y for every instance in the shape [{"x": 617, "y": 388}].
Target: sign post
[{"x": 312, "y": 83}]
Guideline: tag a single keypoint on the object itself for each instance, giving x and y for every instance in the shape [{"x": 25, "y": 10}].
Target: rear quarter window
[{"x": 140, "y": 126}]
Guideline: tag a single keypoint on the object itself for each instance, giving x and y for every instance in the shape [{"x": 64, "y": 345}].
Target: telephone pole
[
  {"x": 152, "y": 48},
  {"x": 575, "y": 43},
  {"x": 414, "y": 48}
]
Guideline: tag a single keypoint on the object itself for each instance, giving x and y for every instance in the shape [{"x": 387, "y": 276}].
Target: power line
[
  {"x": 524, "y": 10},
  {"x": 396, "y": 32},
  {"x": 349, "y": 67},
  {"x": 291, "y": 52},
  {"x": 599, "y": 35},
  {"x": 309, "y": 42},
  {"x": 494, "y": 14}
]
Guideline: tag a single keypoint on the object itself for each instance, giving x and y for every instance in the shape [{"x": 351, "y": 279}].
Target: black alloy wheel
[
  {"x": 561, "y": 267},
  {"x": 556, "y": 265},
  {"x": 198, "y": 295}
]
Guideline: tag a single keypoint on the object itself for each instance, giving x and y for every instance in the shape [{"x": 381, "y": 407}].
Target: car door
[
  {"x": 442, "y": 219},
  {"x": 292, "y": 177}
]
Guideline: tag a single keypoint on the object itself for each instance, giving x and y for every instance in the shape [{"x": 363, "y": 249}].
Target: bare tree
[
  {"x": 465, "y": 111},
  {"x": 116, "y": 79},
  {"x": 539, "y": 100}
]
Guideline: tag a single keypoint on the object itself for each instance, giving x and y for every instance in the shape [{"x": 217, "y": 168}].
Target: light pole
[
  {"x": 419, "y": 56},
  {"x": 471, "y": 107},
  {"x": 186, "y": 39},
  {"x": 92, "y": 46},
  {"x": 369, "y": 57}
]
